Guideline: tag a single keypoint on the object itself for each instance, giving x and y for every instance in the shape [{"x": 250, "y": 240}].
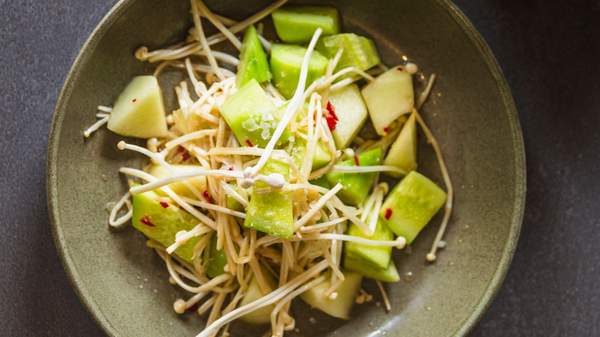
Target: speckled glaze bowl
[{"x": 124, "y": 285}]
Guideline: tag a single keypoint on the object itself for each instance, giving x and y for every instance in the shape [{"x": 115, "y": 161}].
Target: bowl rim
[{"x": 455, "y": 13}]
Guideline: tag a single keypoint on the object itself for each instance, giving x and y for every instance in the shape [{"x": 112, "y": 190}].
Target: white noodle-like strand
[{"x": 115, "y": 222}]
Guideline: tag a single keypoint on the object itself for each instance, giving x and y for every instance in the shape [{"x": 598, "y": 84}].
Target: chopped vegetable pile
[{"x": 265, "y": 183}]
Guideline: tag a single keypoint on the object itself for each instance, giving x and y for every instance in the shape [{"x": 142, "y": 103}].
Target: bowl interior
[{"x": 125, "y": 285}]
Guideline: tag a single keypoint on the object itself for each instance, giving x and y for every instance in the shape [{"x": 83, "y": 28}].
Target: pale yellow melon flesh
[
  {"x": 388, "y": 97},
  {"x": 403, "y": 153},
  {"x": 139, "y": 110},
  {"x": 341, "y": 306},
  {"x": 351, "y": 111},
  {"x": 253, "y": 293}
]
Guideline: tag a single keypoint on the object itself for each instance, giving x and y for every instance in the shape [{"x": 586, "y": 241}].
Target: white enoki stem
[
  {"x": 175, "y": 270},
  {"x": 425, "y": 94},
  {"x": 338, "y": 204},
  {"x": 266, "y": 300},
  {"x": 384, "y": 296},
  {"x": 192, "y": 173},
  {"x": 117, "y": 223},
  {"x": 103, "y": 108},
  {"x": 214, "y": 207},
  {"x": 316, "y": 207},
  {"x": 182, "y": 237},
  {"x": 102, "y": 115},
  {"x": 199, "y": 87},
  {"x": 245, "y": 151},
  {"x": 203, "y": 68},
  {"x": 343, "y": 83},
  {"x": 206, "y": 305},
  {"x": 198, "y": 215},
  {"x": 290, "y": 297},
  {"x": 292, "y": 107},
  {"x": 314, "y": 106},
  {"x": 88, "y": 132},
  {"x": 220, "y": 26},
  {"x": 367, "y": 169},
  {"x": 221, "y": 56},
  {"x": 234, "y": 194},
  {"x": 180, "y": 306},
  {"x": 381, "y": 190},
  {"x": 203, "y": 42},
  {"x": 188, "y": 137},
  {"x": 322, "y": 225},
  {"x": 399, "y": 243},
  {"x": 431, "y": 256}
]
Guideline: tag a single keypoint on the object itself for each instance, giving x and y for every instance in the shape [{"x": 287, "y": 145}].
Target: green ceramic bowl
[{"x": 124, "y": 285}]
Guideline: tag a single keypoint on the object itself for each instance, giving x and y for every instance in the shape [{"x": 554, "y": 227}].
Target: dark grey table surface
[{"x": 549, "y": 51}]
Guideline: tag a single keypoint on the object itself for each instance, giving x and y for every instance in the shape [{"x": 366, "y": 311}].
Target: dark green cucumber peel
[
  {"x": 297, "y": 24},
  {"x": 356, "y": 186},
  {"x": 253, "y": 60}
]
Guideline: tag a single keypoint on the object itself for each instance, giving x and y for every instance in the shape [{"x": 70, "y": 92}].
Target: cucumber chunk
[
  {"x": 252, "y": 115},
  {"x": 321, "y": 156},
  {"x": 160, "y": 221},
  {"x": 349, "y": 107},
  {"x": 297, "y": 24},
  {"x": 215, "y": 259},
  {"x": 271, "y": 212},
  {"x": 253, "y": 60},
  {"x": 389, "y": 274},
  {"x": 139, "y": 110},
  {"x": 253, "y": 293},
  {"x": 341, "y": 306},
  {"x": 403, "y": 153},
  {"x": 356, "y": 186},
  {"x": 411, "y": 204},
  {"x": 376, "y": 257},
  {"x": 359, "y": 51},
  {"x": 388, "y": 97},
  {"x": 286, "y": 61},
  {"x": 179, "y": 187}
]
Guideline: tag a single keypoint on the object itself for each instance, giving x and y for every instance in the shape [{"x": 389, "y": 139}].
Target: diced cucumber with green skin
[
  {"x": 377, "y": 257},
  {"x": 321, "y": 156},
  {"x": 161, "y": 224},
  {"x": 351, "y": 111},
  {"x": 139, "y": 110},
  {"x": 252, "y": 115},
  {"x": 253, "y": 293},
  {"x": 341, "y": 306},
  {"x": 412, "y": 203},
  {"x": 403, "y": 153},
  {"x": 215, "y": 259},
  {"x": 297, "y": 24},
  {"x": 271, "y": 212},
  {"x": 356, "y": 186},
  {"x": 359, "y": 51},
  {"x": 388, "y": 97},
  {"x": 180, "y": 188},
  {"x": 389, "y": 274},
  {"x": 286, "y": 62},
  {"x": 253, "y": 60}
]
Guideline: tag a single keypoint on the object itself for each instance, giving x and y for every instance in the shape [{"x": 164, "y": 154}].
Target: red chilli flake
[
  {"x": 208, "y": 197},
  {"x": 146, "y": 221},
  {"x": 164, "y": 204},
  {"x": 386, "y": 129},
  {"x": 331, "y": 117},
  {"x": 249, "y": 143},
  {"x": 388, "y": 213},
  {"x": 185, "y": 156},
  {"x": 356, "y": 160}
]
